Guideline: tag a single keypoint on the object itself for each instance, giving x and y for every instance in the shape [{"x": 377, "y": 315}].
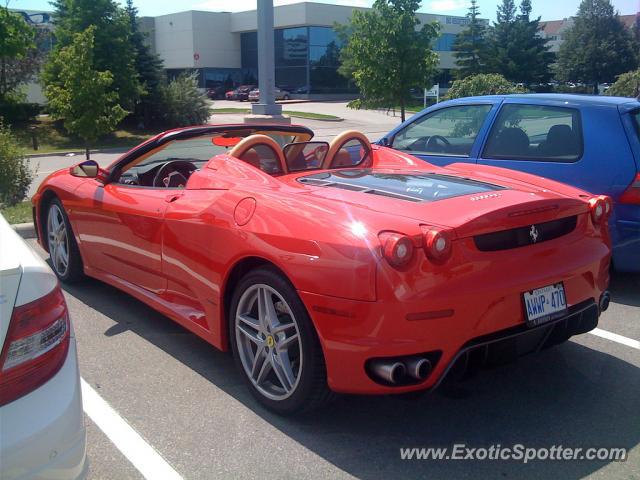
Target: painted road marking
[
  {"x": 614, "y": 337},
  {"x": 142, "y": 455}
]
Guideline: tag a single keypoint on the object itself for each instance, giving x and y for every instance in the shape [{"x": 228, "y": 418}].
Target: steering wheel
[
  {"x": 183, "y": 168},
  {"x": 433, "y": 145}
]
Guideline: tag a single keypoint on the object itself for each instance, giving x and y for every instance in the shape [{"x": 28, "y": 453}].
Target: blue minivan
[{"x": 587, "y": 141}]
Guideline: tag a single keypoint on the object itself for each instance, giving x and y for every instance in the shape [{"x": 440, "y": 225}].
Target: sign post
[{"x": 432, "y": 92}]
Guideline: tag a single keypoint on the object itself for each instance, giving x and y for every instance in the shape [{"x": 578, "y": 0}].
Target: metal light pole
[{"x": 267, "y": 106}]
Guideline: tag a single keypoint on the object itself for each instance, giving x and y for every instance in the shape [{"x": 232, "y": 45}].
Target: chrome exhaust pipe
[
  {"x": 418, "y": 367},
  {"x": 605, "y": 299},
  {"x": 388, "y": 370}
]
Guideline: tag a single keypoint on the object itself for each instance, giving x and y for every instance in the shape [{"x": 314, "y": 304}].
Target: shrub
[
  {"x": 184, "y": 104},
  {"x": 626, "y": 85},
  {"x": 483, "y": 84},
  {"x": 15, "y": 176},
  {"x": 19, "y": 112}
]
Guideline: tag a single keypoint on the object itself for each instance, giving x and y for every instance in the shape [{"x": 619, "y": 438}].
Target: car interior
[
  {"x": 277, "y": 153},
  {"x": 560, "y": 142}
]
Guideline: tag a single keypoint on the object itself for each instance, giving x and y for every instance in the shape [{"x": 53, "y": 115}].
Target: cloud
[
  {"x": 436, "y": 6},
  {"x": 243, "y": 5}
]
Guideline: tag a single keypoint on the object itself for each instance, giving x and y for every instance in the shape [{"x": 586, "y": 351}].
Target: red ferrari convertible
[{"x": 342, "y": 266}]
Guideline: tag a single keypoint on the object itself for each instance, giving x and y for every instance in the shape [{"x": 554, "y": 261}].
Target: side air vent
[{"x": 523, "y": 236}]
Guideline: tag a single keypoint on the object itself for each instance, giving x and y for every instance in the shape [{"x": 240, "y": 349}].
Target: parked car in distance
[
  {"x": 335, "y": 266},
  {"x": 254, "y": 95},
  {"x": 230, "y": 95},
  {"x": 590, "y": 142},
  {"x": 242, "y": 92},
  {"x": 215, "y": 93},
  {"x": 42, "y": 432}
]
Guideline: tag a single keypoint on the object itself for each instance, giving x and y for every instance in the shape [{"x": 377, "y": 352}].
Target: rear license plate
[{"x": 545, "y": 304}]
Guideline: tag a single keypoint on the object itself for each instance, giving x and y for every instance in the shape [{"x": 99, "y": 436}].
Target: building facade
[
  {"x": 222, "y": 47},
  {"x": 554, "y": 30}
]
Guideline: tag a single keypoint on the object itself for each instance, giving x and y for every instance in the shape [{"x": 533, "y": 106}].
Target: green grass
[
  {"x": 311, "y": 115},
  {"x": 52, "y": 138},
  {"x": 229, "y": 110},
  {"x": 291, "y": 113},
  {"x": 19, "y": 213}
]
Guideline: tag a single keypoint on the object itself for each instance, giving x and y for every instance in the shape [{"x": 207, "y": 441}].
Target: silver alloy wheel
[
  {"x": 268, "y": 342},
  {"x": 58, "y": 240}
]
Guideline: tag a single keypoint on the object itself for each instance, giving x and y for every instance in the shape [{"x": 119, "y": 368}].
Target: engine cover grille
[{"x": 523, "y": 236}]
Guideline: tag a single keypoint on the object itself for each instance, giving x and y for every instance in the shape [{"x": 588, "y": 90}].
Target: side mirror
[
  {"x": 384, "y": 141},
  {"x": 87, "y": 169}
]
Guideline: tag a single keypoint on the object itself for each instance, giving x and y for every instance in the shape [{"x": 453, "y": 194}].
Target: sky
[{"x": 547, "y": 9}]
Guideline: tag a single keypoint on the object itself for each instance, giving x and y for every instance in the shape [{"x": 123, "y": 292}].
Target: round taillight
[
  {"x": 608, "y": 204},
  {"x": 598, "y": 209},
  {"x": 437, "y": 244},
  {"x": 397, "y": 249}
]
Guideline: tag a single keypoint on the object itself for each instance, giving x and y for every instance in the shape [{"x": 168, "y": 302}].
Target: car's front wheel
[
  {"x": 275, "y": 344},
  {"x": 63, "y": 249}
]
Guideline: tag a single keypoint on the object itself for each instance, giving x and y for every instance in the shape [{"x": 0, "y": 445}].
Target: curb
[{"x": 25, "y": 230}]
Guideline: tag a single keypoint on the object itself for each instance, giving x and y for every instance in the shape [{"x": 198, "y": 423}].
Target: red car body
[{"x": 181, "y": 252}]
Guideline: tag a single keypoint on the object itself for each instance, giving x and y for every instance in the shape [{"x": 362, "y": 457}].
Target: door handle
[{"x": 173, "y": 197}]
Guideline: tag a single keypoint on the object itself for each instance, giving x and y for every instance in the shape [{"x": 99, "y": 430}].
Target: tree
[
  {"x": 388, "y": 52},
  {"x": 470, "y": 45},
  {"x": 627, "y": 85},
  {"x": 515, "y": 50},
  {"x": 16, "y": 40},
  {"x": 150, "y": 72},
  {"x": 15, "y": 176},
  {"x": 597, "y": 47},
  {"x": 83, "y": 96},
  {"x": 183, "y": 102},
  {"x": 534, "y": 58},
  {"x": 112, "y": 51},
  {"x": 483, "y": 84}
]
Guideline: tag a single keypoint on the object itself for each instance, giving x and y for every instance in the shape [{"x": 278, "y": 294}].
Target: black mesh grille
[{"x": 522, "y": 236}]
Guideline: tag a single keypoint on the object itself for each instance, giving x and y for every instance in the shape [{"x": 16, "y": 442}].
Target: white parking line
[
  {"x": 142, "y": 455},
  {"x": 614, "y": 337}
]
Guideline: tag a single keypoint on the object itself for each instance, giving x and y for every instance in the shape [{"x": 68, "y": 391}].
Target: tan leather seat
[
  {"x": 246, "y": 150},
  {"x": 342, "y": 159},
  {"x": 252, "y": 157},
  {"x": 336, "y": 156}
]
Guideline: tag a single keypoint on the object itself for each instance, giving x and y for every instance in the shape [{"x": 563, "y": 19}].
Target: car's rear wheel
[
  {"x": 275, "y": 344},
  {"x": 63, "y": 249}
]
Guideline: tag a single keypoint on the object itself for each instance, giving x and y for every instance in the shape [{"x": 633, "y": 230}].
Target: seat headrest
[{"x": 512, "y": 141}]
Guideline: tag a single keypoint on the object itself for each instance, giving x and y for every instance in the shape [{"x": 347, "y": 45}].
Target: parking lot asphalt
[{"x": 187, "y": 400}]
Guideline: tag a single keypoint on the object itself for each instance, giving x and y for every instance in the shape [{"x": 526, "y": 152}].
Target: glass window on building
[
  {"x": 291, "y": 47},
  {"x": 323, "y": 36},
  {"x": 445, "y": 42},
  {"x": 291, "y": 78},
  {"x": 306, "y": 59}
]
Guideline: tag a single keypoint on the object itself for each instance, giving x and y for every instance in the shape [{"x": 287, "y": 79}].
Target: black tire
[
  {"x": 312, "y": 390},
  {"x": 75, "y": 270}
]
